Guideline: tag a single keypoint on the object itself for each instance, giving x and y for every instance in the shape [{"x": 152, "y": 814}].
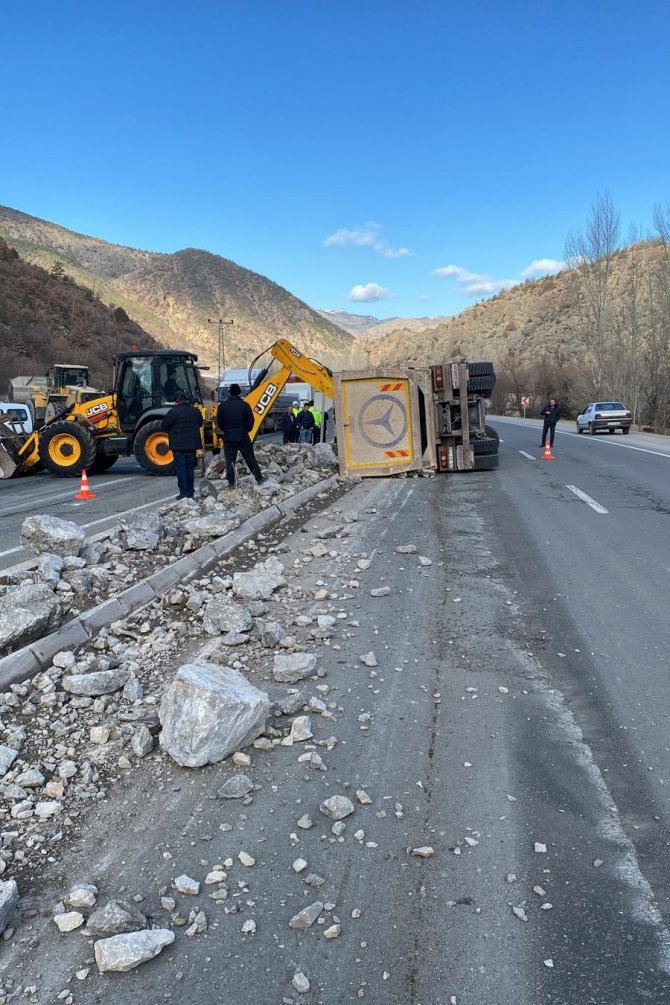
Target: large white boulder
[
  {"x": 208, "y": 712},
  {"x": 43, "y": 533},
  {"x": 26, "y": 613}
]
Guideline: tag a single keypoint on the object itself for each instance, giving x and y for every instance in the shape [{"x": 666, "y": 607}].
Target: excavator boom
[{"x": 292, "y": 362}]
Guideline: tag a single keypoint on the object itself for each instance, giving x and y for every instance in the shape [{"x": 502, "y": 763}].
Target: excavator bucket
[{"x": 7, "y": 465}]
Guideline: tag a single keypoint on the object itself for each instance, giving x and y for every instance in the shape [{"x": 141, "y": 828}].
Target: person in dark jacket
[
  {"x": 305, "y": 423},
  {"x": 551, "y": 413},
  {"x": 236, "y": 420},
  {"x": 182, "y": 424},
  {"x": 288, "y": 426}
]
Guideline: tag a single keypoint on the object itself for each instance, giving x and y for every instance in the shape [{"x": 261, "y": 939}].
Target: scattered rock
[
  {"x": 115, "y": 918},
  {"x": 236, "y": 787},
  {"x": 122, "y": 953},
  {"x": 68, "y": 921},
  {"x": 184, "y": 884},
  {"x": 337, "y": 807},
  {"x": 95, "y": 684},
  {"x": 291, "y": 667},
  {"x": 306, "y": 917}
]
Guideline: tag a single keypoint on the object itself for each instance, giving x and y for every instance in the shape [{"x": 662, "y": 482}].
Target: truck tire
[
  {"x": 152, "y": 451},
  {"x": 480, "y": 369},
  {"x": 482, "y": 385},
  {"x": 486, "y": 462},
  {"x": 491, "y": 431},
  {"x": 484, "y": 445},
  {"x": 66, "y": 449}
]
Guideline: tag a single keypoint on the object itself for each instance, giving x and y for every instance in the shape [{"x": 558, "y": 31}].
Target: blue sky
[{"x": 377, "y": 157}]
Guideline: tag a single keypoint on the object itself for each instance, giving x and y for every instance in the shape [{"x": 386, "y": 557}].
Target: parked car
[
  {"x": 20, "y": 416},
  {"x": 604, "y": 415}
]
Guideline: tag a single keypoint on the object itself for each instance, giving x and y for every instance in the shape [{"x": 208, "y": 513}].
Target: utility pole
[{"x": 221, "y": 356}]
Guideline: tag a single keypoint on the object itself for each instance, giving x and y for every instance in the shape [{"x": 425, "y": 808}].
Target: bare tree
[{"x": 590, "y": 256}]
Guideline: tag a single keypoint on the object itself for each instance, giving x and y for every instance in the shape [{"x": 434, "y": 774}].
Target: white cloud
[
  {"x": 475, "y": 284},
  {"x": 367, "y": 236},
  {"x": 365, "y": 294},
  {"x": 423, "y": 297},
  {"x": 542, "y": 267}
]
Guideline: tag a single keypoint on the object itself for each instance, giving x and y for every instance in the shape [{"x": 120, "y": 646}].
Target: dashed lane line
[
  {"x": 529, "y": 456},
  {"x": 587, "y": 499}
]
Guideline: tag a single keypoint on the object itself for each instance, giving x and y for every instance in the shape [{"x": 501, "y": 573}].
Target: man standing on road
[
  {"x": 551, "y": 413},
  {"x": 182, "y": 424},
  {"x": 305, "y": 423},
  {"x": 288, "y": 426},
  {"x": 236, "y": 420},
  {"x": 316, "y": 432}
]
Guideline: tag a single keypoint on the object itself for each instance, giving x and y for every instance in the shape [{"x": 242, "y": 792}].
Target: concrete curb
[{"x": 36, "y": 656}]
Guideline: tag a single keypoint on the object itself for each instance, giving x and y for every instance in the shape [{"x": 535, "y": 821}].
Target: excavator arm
[{"x": 267, "y": 388}]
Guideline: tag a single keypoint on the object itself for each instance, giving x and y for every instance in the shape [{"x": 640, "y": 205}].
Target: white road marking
[
  {"x": 70, "y": 495},
  {"x": 587, "y": 499},
  {"x": 529, "y": 456},
  {"x": 10, "y": 551}
]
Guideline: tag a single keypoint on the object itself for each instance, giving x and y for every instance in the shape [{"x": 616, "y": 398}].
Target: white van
[{"x": 22, "y": 420}]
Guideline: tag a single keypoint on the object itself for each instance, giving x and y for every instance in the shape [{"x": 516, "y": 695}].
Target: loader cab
[
  {"x": 68, "y": 376},
  {"x": 147, "y": 381}
]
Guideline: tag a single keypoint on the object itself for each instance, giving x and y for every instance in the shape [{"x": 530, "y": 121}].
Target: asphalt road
[
  {"x": 517, "y": 723},
  {"x": 124, "y": 488}
]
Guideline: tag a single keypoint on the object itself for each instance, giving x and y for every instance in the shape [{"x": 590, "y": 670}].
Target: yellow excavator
[{"x": 90, "y": 435}]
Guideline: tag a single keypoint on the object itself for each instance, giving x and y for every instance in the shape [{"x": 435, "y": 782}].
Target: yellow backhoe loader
[{"x": 91, "y": 433}]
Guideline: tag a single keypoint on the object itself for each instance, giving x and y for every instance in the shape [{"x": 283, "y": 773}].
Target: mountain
[
  {"x": 538, "y": 319},
  {"x": 368, "y": 326},
  {"x": 600, "y": 328},
  {"x": 173, "y": 295},
  {"x": 45, "y": 318}
]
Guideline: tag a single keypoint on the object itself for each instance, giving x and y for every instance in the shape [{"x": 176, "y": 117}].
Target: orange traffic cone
[
  {"x": 547, "y": 456},
  {"x": 84, "y": 491}
]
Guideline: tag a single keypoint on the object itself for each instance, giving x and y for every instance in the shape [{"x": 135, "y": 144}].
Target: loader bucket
[{"x": 7, "y": 465}]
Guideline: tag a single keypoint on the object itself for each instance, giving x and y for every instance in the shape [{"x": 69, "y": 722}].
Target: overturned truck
[{"x": 396, "y": 420}]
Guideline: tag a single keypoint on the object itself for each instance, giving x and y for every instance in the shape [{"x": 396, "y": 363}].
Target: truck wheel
[
  {"x": 102, "y": 463},
  {"x": 482, "y": 385},
  {"x": 484, "y": 445},
  {"x": 66, "y": 449},
  {"x": 480, "y": 369},
  {"x": 491, "y": 431},
  {"x": 152, "y": 450},
  {"x": 487, "y": 462}
]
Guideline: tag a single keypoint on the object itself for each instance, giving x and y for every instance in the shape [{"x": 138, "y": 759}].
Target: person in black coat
[
  {"x": 182, "y": 424},
  {"x": 305, "y": 422},
  {"x": 288, "y": 426},
  {"x": 551, "y": 413},
  {"x": 236, "y": 420}
]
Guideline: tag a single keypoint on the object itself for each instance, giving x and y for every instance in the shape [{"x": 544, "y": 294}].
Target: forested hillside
[{"x": 45, "y": 317}]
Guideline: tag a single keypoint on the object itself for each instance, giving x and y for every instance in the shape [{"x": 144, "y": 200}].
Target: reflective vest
[{"x": 317, "y": 416}]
